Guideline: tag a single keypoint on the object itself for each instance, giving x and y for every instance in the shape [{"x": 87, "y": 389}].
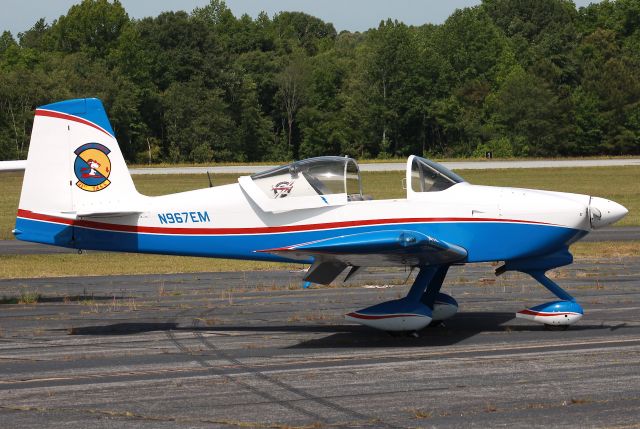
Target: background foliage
[{"x": 519, "y": 77}]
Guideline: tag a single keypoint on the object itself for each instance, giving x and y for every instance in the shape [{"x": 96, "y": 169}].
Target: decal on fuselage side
[
  {"x": 184, "y": 217},
  {"x": 92, "y": 167}
]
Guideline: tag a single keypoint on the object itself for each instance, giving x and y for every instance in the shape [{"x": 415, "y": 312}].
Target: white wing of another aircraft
[{"x": 13, "y": 165}]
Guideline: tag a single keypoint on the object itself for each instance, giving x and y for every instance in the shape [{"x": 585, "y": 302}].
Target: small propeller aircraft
[{"x": 78, "y": 193}]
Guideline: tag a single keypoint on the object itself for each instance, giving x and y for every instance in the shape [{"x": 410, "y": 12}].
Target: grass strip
[
  {"x": 107, "y": 263},
  {"x": 103, "y": 264}
]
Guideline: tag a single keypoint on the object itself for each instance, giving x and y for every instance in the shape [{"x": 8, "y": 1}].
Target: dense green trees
[{"x": 518, "y": 77}]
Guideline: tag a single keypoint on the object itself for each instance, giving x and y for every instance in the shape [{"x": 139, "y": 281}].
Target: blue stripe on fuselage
[{"x": 484, "y": 241}]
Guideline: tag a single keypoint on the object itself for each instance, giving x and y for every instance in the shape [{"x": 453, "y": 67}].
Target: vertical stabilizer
[
  {"x": 74, "y": 168},
  {"x": 75, "y": 164}
]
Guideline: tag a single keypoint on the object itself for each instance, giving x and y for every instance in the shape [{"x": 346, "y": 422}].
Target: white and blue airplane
[{"x": 78, "y": 193}]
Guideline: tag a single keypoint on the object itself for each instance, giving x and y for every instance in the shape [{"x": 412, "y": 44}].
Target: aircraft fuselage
[{"x": 491, "y": 223}]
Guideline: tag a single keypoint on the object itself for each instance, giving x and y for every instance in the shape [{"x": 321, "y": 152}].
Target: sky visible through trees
[{"x": 516, "y": 77}]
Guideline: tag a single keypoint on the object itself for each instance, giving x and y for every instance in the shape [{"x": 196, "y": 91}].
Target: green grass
[
  {"x": 25, "y": 297},
  {"x": 10, "y": 185},
  {"x": 605, "y": 249},
  {"x": 161, "y": 184},
  {"x": 107, "y": 263}
]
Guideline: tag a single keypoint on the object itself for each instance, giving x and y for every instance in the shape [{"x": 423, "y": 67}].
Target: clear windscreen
[{"x": 429, "y": 176}]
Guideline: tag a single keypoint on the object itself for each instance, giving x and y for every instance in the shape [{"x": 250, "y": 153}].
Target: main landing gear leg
[
  {"x": 423, "y": 303},
  {"x": 442, "y": 305},
  {"x": 433, "y": 288},
  {"x": 400, "y": 315}
]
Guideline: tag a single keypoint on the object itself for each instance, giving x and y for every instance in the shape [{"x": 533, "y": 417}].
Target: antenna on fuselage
[{"x": 210, "y": 182}]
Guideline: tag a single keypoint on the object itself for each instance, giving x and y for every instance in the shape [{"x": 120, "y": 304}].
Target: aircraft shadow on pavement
[
  {"x": 124, "y": 328},
  {"x": 453, "y": 332},
  {"x": 129, "y": 328},
  {"x": 61, "y": 299},
  {"x": 458, "y": 329}
]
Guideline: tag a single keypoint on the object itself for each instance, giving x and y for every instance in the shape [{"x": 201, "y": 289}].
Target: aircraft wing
[{"x": 373, "y": 249}]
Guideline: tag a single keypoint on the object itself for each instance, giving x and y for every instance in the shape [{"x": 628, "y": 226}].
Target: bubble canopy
[
  {"x": 325, "y": 174},
  {"x": 313, "y": 182}
]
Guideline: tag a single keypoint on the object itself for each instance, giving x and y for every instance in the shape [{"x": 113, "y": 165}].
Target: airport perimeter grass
[
  {"x": 106, "y": 263},
  {"x": 622, "y": 184}
]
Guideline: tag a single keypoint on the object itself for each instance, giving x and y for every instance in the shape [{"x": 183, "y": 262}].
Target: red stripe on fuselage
[
  {"x": 26, "y": 214},
  {"x": 544, "y": 313},
  {"x": 59, "y": 115},
  {"x": 378, "y": 317}
]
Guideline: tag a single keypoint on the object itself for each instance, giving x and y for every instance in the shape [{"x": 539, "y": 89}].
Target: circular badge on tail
[{"x": 92, "y": 167}]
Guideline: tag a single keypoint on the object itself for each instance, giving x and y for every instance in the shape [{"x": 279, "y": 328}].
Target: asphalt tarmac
[{"x": 255, "y": 350}]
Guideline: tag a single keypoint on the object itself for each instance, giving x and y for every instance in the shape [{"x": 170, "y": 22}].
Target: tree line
[{"x": 515, "y": 77}]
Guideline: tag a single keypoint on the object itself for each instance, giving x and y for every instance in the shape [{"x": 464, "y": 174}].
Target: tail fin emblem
[{"x": 92, "y": 167}]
